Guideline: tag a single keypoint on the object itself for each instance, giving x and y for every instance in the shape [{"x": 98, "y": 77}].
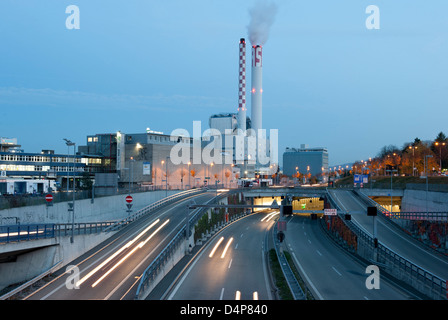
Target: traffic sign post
[
  {"x": 49, "y": 199},
  {"x": 129, "y": 200},
  {"x": 330, "y": 212}
]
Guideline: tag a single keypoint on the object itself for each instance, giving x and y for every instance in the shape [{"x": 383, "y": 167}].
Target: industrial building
[
  {"x": 306, "y": 161},
  {"x": 22, "y": 172},
  {"x": 246, "y": 146},
  {"x": 142, "y": 160}
]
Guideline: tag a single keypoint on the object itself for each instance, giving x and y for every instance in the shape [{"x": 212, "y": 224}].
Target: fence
[
  {"x": 431, "y": 228},
  {"x": 29, "y": 232},
  {"x": 16, "y": 233},
  {"x": 420, "y": 279}
]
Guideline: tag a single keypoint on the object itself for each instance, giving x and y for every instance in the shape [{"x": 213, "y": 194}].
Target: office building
[{"x": 305, "y": 161}]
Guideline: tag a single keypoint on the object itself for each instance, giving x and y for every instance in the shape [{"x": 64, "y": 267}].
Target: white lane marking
[{"x": 335, "y": 270}]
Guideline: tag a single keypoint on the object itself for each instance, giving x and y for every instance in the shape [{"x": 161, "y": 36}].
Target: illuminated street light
[
  {"x": 413, "y": 155},
  {"x": 440, "y": 144}
]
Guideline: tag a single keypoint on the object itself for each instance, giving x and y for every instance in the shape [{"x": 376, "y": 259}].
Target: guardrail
[
  {"x": 154, "y": 206},
  {"x": 417, "y": 277},
  {"x": 17, "y": 233},
  {"x": 30, "y": 232},
  {"x": 291, "y": 279}
]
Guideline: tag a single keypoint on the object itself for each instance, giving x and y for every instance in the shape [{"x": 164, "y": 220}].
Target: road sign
[
  {"x": 330, "y": 212},
  {"x": 281, "y": 225},
  {"x": 49, "y": 197},
  {"x": 129, "y": 199}
]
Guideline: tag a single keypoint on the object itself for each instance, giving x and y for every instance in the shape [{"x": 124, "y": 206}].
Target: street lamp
[
  {"x": 72, "y": 206},
  {"x": 426, "y": 174},
  {"x": 189, "y": 185},
  {"x": 440, "y": 144},
  {"x": 166, "y": 178},
  {"x": 413, "y": 155},
  {"x": 391, "y": 170}
]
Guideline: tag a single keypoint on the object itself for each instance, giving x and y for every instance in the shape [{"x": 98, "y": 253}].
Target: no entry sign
[
  {"x": 129, "y": 199},
  {"x": 49, "y": 197}
]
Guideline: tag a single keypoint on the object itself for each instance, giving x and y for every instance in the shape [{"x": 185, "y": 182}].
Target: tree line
[{"x": 413, "y": 158}]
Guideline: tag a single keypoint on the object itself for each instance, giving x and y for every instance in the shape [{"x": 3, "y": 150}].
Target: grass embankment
[
  {"x": 279, "y": 279},
  {"x": 284, "y": 292}
]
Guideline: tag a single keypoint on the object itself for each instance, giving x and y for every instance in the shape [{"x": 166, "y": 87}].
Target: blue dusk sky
[{"x": 328, "y": 80}]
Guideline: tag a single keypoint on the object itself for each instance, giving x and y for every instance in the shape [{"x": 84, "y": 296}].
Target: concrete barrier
[{"x": 103, "y": 209}]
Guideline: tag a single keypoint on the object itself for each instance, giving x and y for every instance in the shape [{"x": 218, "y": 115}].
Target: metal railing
[
  {"x": 417, "y": 277},
  {"x": 30, "y": 232},
  {"x": 17, "y": 233},
  {"x": 150, "y": 208},
  {"x": 291, "y": 279}
]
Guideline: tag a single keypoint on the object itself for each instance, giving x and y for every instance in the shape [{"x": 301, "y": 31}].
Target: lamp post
[
  {"x": 391, "y": 170},
  {"x": 189, "y": 185},
  {"x": 440, "y": 144},
  {"x": 131, "y": 175},
  {"x": 413, "y": 157},
  {"x": 72, "y": 206},
  {"x": 166, "y": 178},
  {"x": 426, "y": 174}
]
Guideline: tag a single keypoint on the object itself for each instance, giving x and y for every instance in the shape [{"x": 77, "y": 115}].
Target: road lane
[
  {"x": 238, "y": 273},
  {"x": 121, "y": 260},
  {"x": 330, "y": 272}
]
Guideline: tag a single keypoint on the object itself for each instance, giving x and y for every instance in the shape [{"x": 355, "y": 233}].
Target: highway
[
  {"x": 240, "y": 273},
  {"x": 331, "y": 273},
  {"x": 391, "y": 237},
  {"x": 232, "y": 266},
  {"x": 112, "y": 269}
]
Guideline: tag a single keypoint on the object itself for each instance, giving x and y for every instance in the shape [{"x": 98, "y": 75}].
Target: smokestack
[
  {"x": 257, "y": 90},
  {"x": 242, "y": 87}
]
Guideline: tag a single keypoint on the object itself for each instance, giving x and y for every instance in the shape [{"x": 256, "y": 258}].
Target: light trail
[
  {"x": 238, "y": 295},
  {"x": 270, "y": 215},
  {"x": 226, "y": 247},
  {"x": 216, "y": 247},
  {"x": 127, "y": 245},
  {"x": 140, "y": 245}
]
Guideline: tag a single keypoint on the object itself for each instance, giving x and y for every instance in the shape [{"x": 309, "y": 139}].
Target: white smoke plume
[{"x": 262, "y": 16}]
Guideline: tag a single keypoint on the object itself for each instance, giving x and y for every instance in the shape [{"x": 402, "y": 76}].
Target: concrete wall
[
  {"x": 103, "y": 209},
  {"x": 415, "y": 200},
  {"x": 34, "y": 263}
]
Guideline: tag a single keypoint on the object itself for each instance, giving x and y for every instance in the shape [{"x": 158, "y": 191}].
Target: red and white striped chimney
[
  {"x": 242, "y": 86},
  {"x": 257, "y": 90}
]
